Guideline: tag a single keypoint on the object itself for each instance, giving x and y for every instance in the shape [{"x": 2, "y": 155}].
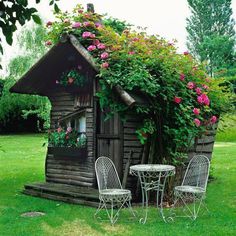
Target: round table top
[{"x": 152, "y": 168}]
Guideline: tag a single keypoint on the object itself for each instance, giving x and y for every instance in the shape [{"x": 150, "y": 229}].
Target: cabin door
[{"x": 109, "y": 142}]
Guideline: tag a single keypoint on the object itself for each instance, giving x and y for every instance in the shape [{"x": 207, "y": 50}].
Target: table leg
[
  {"x": 160, "y": 190},
  {"x": 144, "y": 203}
]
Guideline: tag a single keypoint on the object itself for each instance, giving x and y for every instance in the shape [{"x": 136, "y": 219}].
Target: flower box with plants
[
  {"x": 183, "y": 102},
  {"x": 72, "y": 80},
  {"x": 67, "y": 143}
]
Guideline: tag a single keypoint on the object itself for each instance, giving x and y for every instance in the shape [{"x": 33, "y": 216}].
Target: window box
[{"x": 68, "y": 152}]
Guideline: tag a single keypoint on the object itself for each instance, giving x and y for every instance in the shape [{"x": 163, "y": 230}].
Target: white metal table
[{"x": 152, "y": 177}]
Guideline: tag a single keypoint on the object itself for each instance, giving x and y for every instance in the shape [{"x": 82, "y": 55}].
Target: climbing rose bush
[{"x": 180, "y": 101}]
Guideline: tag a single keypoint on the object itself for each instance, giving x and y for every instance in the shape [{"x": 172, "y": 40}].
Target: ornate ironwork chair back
[
  {"x": 197, "y": 172},
  {"x": 107, "y": 176}
]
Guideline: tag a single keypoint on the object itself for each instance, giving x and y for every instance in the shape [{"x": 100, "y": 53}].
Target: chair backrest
[
  {"x": 197, "y": 172},
  {"x": 107, "y": 176}
]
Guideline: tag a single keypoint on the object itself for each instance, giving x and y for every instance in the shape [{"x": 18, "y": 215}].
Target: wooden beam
[
  {"x": 75, "y": 42},
  {"x": 125, "y": 97}
]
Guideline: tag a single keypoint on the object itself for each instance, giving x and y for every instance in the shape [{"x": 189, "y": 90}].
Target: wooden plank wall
[
  {"x": 74, "y": 171},
  {"x": 131, "y": 143},
  {"x": 203, "y": 146}
]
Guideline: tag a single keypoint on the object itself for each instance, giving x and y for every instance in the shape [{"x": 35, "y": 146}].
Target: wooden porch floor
[{"x": 63, "y": 192}]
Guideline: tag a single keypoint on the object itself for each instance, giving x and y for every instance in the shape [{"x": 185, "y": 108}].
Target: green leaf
[
  {"x": 37, "y": 19},
  {"x": 9, "y": 38},
  {"x": 56, "y": 8},
  {"x": 37, "y": 1},
  {"x": 51, "y": 2},
  {"x": 1, "y": 49}
]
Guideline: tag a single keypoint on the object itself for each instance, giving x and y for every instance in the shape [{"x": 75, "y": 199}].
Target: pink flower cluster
[
  {"x": 177, "y": 100},
  {"x": 76, "y": 25},
  {"x": 197, "y": 122},
  {"x": 203, "y": 99},
  {"x": 213, "y": 119},
  {"x": 196, "y": 111},
  {"x": 182, "y": 77},
  {"x": 88, "y": 34},
  {"x": 190, "y": 85}
]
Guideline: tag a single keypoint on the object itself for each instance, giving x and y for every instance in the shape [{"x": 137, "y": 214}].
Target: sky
[{"x": 166, "y": 18}]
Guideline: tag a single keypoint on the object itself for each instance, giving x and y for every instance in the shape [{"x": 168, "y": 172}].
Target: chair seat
[
  {"x": 115, "y": 191},
  {"x": 189, "y": 189}
]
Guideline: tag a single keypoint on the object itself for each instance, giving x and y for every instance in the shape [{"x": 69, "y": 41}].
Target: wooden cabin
[{"x": 69, "y": 172}]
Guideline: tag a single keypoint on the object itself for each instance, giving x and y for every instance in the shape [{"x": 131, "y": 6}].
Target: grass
[{"x": 23, "y": 162}]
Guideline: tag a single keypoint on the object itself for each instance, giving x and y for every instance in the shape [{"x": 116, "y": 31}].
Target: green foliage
[
  {"x": 211, "y": 35},
  {"x": 181, "y": 101},
  {"x": 14, "y": 106},
  {"x": 24, "y": 162},
  {"x": 72, "y": 77},
  {"x": 116, "y": 24},
  {"x": 66, "y": 138},
  {"x": 13, "y": 12}
]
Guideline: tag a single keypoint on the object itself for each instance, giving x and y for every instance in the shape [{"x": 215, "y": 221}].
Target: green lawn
[{"x": 23, "y": 162}]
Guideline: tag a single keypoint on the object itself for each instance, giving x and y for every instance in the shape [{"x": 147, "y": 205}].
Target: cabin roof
[{"x": 41, "y": 78}]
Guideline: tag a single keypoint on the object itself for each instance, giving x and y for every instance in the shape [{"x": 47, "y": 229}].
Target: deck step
[{"x": 64, "y": 192}]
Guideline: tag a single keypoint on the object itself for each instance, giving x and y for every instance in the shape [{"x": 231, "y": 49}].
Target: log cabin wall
[
  {"x": 202, "y": 146},
  {"x": 72, "y": 171},
  {"x": 131, "y": 143}
]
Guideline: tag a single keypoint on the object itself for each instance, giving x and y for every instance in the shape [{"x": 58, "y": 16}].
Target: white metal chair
[
  {"x": 191, "y": 193},
  {"x": 111, "y": 194}
]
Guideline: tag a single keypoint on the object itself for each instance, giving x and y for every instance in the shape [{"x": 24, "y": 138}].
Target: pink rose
[
  {"x": 182, "y": 77},
  {"x": 91, "y": 48},
  {"x": 96, "y": 42},
  {"x": 59, "y": 129},
  {"x": 197, "y": 122},
  {"x": 205, "y": 86},
  {"x": 213, "y": 119},
  {"x": 92, "y": 36},
  {"x": 87, "y": 24},
  {"x": 49, "y": 23},
  {"x": 198, "y": 91},
  {"x": 57, "y": 82},
  {"x": 98, "y": 24},
  {"x": 76, "y": 25},
  {"x": 190, "y": 85},
  {"x": 86, "y": 34},
  {"x": 80, "y": 11},
  {"x": 196, "y": 111},
  {"x": 101, "y": 46},
  {"x": 104, "y": 55},
  {"x": 69, "y": 129},
  {"x": 135, "y": 39},
  {"x": 203, "y": 99},
  {"x": 186, "y": 53},
  {"x": 131, "y": 53},
  {"x": 105, "y": 65},
  {"x": 66, "y": 21},
  {"x": 48, "y": 43},
  {"x": 70, "y": 80},
  {"x": 177, "y": 99}
]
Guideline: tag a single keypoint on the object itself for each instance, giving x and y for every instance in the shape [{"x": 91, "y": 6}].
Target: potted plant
[
  {"x": 72, "y": 80},
  {"x": 67, "y": 143}
]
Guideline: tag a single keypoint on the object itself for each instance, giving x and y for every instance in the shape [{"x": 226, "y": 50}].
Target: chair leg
[{"x": 185, "y": 198}]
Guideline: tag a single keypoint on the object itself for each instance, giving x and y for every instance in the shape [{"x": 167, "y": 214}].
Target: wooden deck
[{"x": 63, "y": 192}]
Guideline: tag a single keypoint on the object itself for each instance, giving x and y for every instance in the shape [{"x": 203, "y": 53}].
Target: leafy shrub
[{"x": 181, "y": 101}]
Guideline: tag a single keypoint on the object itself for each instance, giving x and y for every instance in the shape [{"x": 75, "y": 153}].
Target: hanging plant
[{"x": 72, "y": 77}]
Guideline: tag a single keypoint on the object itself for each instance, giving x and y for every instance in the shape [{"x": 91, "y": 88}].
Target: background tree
[
  {"x": 211, "y": 35},
  {"x": 17, "y": 11},
  {"x": 17, "y": 109}
]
